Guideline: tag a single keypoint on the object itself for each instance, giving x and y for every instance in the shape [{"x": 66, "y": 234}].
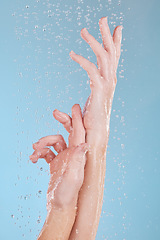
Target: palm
[
  {"x": 67, "y": 168},
  {"x": 60, "y": 179}
]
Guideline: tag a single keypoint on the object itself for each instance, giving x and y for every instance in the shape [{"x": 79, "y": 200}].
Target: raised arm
[
  {"x": 96, "y": 122},
  {"x": 96, "y": 119}
]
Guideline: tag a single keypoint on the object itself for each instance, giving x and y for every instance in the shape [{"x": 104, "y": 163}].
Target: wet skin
[
  {"x": 94, "y": 126},
  {"x": 66, "y": 176}
]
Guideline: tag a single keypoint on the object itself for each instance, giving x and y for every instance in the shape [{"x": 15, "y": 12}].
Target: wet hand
[
  {"x": 67, "y": 168},
  {"x": 103, "y": 79}
]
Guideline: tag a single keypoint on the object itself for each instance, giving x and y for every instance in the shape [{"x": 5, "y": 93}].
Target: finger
[
  {"x": 45, "y": 153},
  {"x": 77, "y": 135},
  {"x": 117, "y": 38},
  {"x": 106, "y": 35},
  {"x": 94, "y": 44},
  {"x": 72, "y": 178},
  {"x": 97, "y": 48},
  {"x": 56, "y": 141},
  {"x": 63, "y": 118},
  {"x": 93, "y": 73}
]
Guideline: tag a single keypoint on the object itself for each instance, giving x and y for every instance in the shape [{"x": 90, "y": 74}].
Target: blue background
[{"x": 38, "y": 75}]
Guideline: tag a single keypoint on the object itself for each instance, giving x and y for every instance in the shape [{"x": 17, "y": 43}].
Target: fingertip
[
  {"x": 84, "y": 30},
  {"x": 60, "y": 116},
  {"x": 76, "y": 104},
  {"x": 37, "y": 144},
  {"x": 72, "y": 53},
  {"x": 75, "y": 107},
  {"x": 34, "y": 145},
  {"x": 33, "y": 158},
  {"x": 55, "y": 113},
  {"x": 119, "y": 28},
  {"x": 120, "y": 34},
  {"x": 103, "y": 21},
  {"x": 103, "y": 18}
]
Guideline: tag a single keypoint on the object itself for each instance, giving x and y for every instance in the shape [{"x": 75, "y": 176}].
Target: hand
[
  {"x": 96, "y": 119},
  {"x": 96, "y": 114},
  {"x": 67, "y": 168},
  {"x": 67, "y": 174}
]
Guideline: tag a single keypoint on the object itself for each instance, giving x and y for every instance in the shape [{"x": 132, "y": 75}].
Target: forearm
[
  {"x": 91, "y": 194},
  {"x": 58, "y": 223}
]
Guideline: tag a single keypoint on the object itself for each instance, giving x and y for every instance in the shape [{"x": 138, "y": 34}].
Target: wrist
[
  {"x": 97, "y": 139},
  {"x": 58, "y": 223}
]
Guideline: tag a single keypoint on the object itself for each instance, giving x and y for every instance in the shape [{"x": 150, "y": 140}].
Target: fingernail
[
  {"x": 72, "y": 53},
  {"x": 58, "y": 112},
  {"x": 104, "y": 20},
  {"x": 33, "y": 158},
  {"x": 85, "y": 30},
  {"x": 61, "y": 116}
]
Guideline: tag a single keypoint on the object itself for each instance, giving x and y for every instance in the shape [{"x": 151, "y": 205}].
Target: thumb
[
  {"x": 74, "y": 173},
  {"x": 80, "y": 153}
]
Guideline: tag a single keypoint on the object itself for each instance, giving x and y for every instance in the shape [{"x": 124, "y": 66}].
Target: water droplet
[
  {"x": 122, "y": 146},
  {"x": 12, "y": 216}
]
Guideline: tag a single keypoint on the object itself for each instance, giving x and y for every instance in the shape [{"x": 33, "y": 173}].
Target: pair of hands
[{"x": 87, "y": 131}]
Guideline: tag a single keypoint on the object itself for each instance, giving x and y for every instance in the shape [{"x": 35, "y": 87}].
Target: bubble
[{"x": 39, "y": 191}]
